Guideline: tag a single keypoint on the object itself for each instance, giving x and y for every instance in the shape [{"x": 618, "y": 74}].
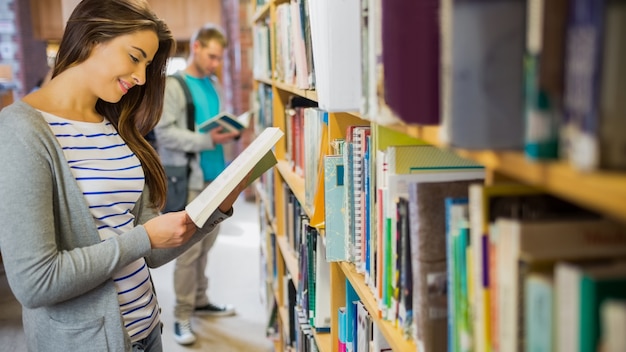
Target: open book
[
  {"x": 257, "y": 158},
  {"x": 226, "y": 120}
]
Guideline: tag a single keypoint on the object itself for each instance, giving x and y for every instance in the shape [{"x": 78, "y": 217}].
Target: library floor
[{"x": 234, "y": 273}]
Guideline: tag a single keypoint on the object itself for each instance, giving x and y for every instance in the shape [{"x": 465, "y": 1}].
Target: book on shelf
[
  {"x": 341, "y": 329},
  {"x": 580, "y": 290},
  {"x": 298, "y": 24},
  {"x": 374, "y": 106},
  {"x": 352, "y": 299},
  {"x": 363, "y": 328},
  {"x": 322, "y": 312},
  {"x": 379, "y": 343},
  {"x": 538, "y": 308},
  {"x": 482, "y": 199},
  {"x": 337, "y": 243},
  {"x": 594, "y": 85},
  {"x": 546, "y": 241},
  {"x": 427, "y": 229},
  {"x": 227, "y": 121},
  {"x": 336, "y": 45},
  {"x": 543, "y": 76},
  {"x": 482, "y": 69},
  {"x": 613, "y": 322},
  {"x": 457, "y": 244},
  {"x": 412, "y": 71},
  {"x": 255, "y": 160},
  {"x": 525, "y": 246},
  {"x": 315, "y": 123},
  {"x": 261, "y": 52},
  {"x": 403, "y": 165}
]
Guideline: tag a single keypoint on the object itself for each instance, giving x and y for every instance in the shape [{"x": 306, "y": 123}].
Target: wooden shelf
[
  {"x": 309, "y": 94},
  {"x": 277, "y": 345},
  {"x": 602, "y": 191},
  {"x": 295, "y": 182},
  {"x": 323, "y": 341},
  {"x": 392, "y": 334},
  {"x": 264, "y": 81},
  {"x": 284, "y": 318},
  {"x": 258, "y": 188},
  {"x": 290, "y": 258},
  {"x": 261, "y": 12}
]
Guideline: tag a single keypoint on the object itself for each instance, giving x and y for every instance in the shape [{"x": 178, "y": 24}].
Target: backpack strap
[{"x": 191, "y": 109}]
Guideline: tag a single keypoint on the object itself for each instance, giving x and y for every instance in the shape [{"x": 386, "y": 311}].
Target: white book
[
  {"x": 322, "y": 312},
  {"x": 613, "y": 320},
  {"x": 227, "y": 121},
  {"x": 257, "y": 158},
  {"x": 336, "y": 43}
]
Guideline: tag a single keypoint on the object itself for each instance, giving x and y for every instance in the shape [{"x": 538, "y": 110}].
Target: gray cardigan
[{"x": 56, "y": 264}]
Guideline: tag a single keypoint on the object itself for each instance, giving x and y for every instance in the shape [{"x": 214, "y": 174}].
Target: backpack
[
  {"x": 178, "y": 177},
  {"x": 191, "y": 111}
]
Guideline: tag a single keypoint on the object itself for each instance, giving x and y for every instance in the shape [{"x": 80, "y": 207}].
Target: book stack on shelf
[{"x": 452, "y": 174}]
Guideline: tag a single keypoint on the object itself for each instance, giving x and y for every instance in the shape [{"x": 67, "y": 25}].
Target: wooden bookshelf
[
  {"x": 262, "y": 12},
  {"x": 295, "y": 182},
  {"x": 285, "y": 175},
  {"x": 391, "y": 333},
  {"x": 290, "y": 258},
  {"x": 309, "y": 94},
  {"x": 266, "y": 206},
  {"x": 323, "y": 341},
  {"x": 602, "y": 191}
]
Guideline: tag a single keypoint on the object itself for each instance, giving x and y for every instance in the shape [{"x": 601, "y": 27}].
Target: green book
[
  {"x": 595, "y": 287},
  {"x": 581, "y": 290}
]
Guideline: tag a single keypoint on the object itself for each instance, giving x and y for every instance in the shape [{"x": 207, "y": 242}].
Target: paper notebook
[{"x": 257, "y": 158}]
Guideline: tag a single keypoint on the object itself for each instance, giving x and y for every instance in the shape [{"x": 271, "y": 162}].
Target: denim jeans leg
[{"x": 152, "y": 343}]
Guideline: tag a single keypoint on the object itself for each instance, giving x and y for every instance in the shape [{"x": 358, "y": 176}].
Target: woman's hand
[{"x": 170, "y": 230}]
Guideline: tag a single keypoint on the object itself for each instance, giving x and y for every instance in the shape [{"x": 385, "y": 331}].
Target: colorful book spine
[
  {"x": 454, "y": 210},
  {"x": 539, "y": 306},
  {"x": 582, "y": 81},
  {"x": 543, "y": 76},
  {"x": 337, "y": 240},
  {"x": 341, "y": 319}
]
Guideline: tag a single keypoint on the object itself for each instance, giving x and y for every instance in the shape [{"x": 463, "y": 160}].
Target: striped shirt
[{"x": 111, "y": 179}]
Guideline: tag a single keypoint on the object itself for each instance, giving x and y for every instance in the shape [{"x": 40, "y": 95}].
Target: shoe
[
  {"x": 183, "y": 333},
  {"x": 215, "y": 310}
]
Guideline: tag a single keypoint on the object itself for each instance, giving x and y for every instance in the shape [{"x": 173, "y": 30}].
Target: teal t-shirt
[{"x": 207, "y": 104}]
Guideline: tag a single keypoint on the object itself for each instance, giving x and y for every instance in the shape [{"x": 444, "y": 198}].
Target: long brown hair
[{"x": 97, "y": 21}]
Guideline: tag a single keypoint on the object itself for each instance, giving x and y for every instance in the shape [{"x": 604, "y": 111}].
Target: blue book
[
  {"x": 455, "y": 211},
  {"x": 227, "y": 121},
  {"x": 539, "y": 298},
  {"x": 582, "y": 80},
  {"x": 341, "y": 333},
  {"x": 337, "y": 240},
  {"x": 351, "y": 321}
]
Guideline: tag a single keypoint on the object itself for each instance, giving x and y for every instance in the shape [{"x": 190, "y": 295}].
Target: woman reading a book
[{"x": 80, "y": 188}]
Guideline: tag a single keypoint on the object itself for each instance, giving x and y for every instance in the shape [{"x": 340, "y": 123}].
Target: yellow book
[{"x": 481, "y": 199}]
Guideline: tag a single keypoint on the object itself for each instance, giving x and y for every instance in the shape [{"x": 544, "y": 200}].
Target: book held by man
[
  {"x": 257, "y": 158},
  {"x": 227, "y": 121}
]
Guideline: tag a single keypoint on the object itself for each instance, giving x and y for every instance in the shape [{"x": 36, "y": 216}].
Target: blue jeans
[{"x": 152, "y": 343}]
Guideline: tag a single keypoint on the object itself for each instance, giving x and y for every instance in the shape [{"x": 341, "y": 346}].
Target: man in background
[{"x": 192, "y": 160}]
